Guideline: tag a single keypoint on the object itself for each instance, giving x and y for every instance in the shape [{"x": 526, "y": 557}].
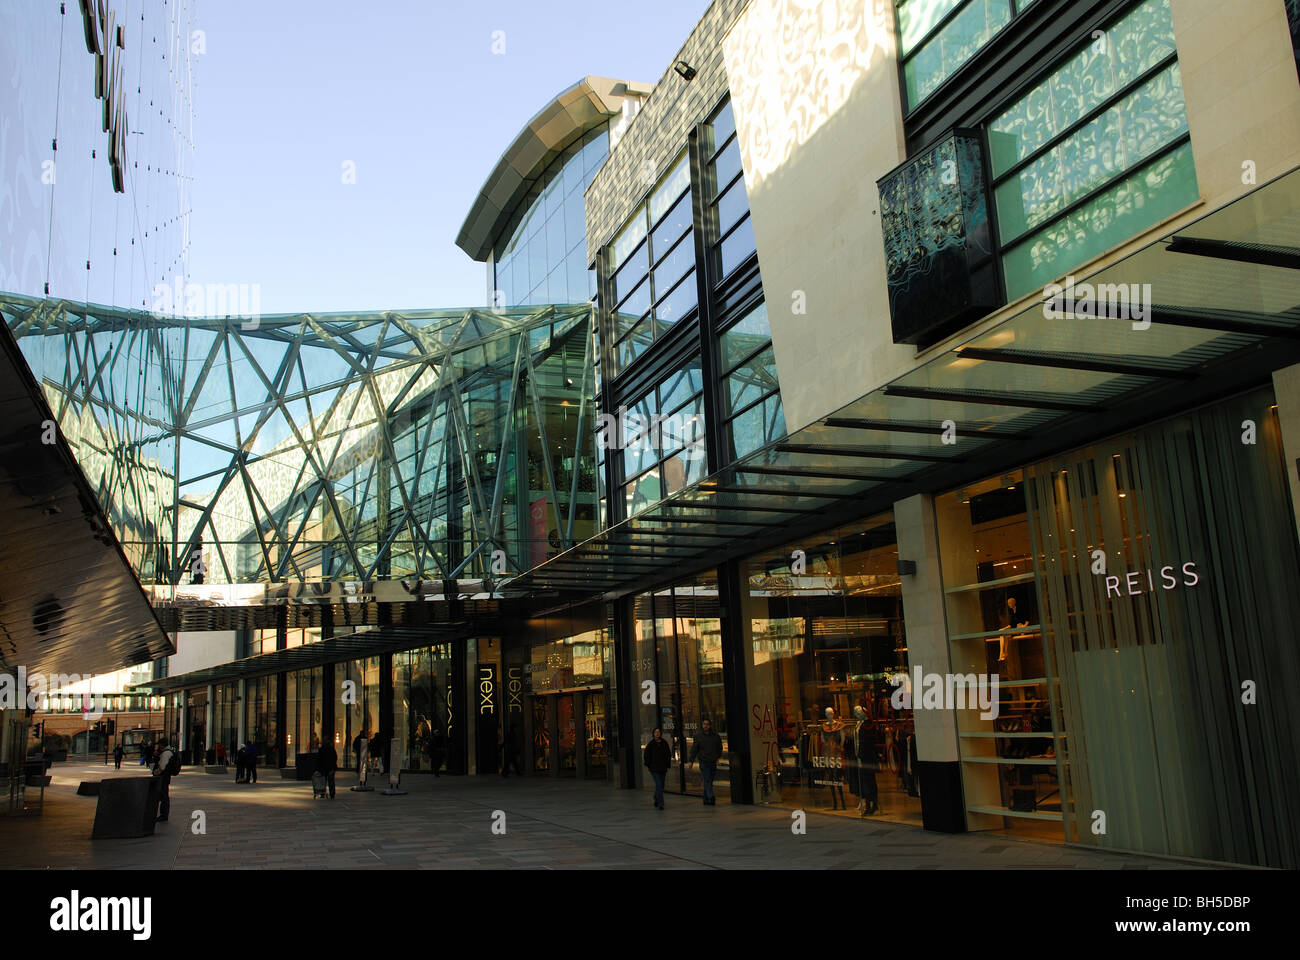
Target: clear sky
[{"x": 411, "y": 92}]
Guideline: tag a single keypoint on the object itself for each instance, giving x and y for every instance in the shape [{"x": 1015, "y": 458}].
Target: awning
[
  {"x": 69, "y": 600},
  {"x": 352, "y": 646},
  {"x": 1211, "y": 308}
]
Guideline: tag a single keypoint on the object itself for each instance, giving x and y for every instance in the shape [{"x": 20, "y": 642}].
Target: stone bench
[{"x": 88, "y": 788}]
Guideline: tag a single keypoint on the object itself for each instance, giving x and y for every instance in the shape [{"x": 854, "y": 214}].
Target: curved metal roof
[{"x": 588, "y": 103}]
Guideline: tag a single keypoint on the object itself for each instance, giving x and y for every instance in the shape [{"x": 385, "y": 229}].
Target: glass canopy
[
  {"x": 313, "y": 447},
  {"x": 1213, "y": 306}
]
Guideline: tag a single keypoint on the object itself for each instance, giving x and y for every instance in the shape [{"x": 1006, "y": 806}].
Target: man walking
[
  {"x": 117, "y": 757},
  {"x": 250, "y": 762},
  {"x": 162, "y": 768},
  {"x": 658, "y": 758},
  {"x": 327, "y": 763},
  {"x": 708, "y": 748}
]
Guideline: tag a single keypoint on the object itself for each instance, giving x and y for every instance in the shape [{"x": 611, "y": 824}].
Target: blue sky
[{"x": 409, "y": 91}]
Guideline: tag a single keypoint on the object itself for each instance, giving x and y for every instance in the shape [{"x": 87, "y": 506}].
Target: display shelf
[
  {"x": 1025, "y": 762},
  {"x": 1005, "y": 581},
  {"x": 1008, "y": 812},
  {"x": 992, "y": 634},
  {"x": 1032, "y": 681},
  {"x": 993, "y": 733}
]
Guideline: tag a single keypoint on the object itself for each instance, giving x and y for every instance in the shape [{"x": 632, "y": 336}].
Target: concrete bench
[{"x": 88, "y": 788}]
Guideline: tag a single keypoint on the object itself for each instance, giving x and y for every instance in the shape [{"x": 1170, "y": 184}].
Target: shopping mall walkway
[{"x": 447, "y": 823}]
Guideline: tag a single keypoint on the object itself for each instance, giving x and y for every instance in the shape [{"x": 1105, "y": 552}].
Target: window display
[
  {"x": 827, "y": 648},
  {"x": 1011, "y": 772}
]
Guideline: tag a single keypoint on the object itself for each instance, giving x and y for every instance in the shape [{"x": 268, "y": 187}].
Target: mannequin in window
[
  {"x": 1008, "y": 648},
  {"x": 832, "y": 758},
  {"x": 865, "y": 747}
]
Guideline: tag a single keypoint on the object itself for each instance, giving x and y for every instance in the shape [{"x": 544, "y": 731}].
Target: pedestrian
[
  {"x": 164, "y": 768},
  {"x": 658, "y": 758},
  {"x": 513, "y": 749},
  {"x": 144, "y": 755},
  {"x": 221, "y": 754},
  {"x": 240, "y": 755},
  {"x": 437, "y": 751},
  {"x": 117, "y": 757},
  {"x": 327, "y": 763},
  {"x": 359, "y": 746},
  {"x": 250, "y": 762},
  {"x": 708, "y": 748}
]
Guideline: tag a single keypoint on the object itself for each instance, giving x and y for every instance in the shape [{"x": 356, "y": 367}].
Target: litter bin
[
  {"x": 127, "y": 807},
  {"x": 305, "y": 765}
]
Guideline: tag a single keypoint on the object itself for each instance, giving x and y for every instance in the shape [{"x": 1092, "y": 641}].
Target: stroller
[{"x": 320, "y": 786}]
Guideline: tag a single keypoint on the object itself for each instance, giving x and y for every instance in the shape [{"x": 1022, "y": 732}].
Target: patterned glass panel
[
  {"x": 1123, "y": 137},
  {"x": 1156, "y": 191},
  {"x": 958, "y": 41},
  {"x": 1123, "y": 53}
]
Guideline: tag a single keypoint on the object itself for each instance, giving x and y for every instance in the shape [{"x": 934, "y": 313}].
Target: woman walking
[{"x": 658, "y": 758}]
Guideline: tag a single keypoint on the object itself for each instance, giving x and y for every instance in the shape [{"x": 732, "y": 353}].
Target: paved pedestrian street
[{"x": 447, "y": 823}]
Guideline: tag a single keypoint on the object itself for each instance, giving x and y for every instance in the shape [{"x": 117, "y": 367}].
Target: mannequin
[
  {"x": 832, "y": 756},
  {"x": 866, "y": 751}
]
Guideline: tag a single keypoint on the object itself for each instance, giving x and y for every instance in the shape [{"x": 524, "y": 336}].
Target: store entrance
[{"x": 568, "y": 734}]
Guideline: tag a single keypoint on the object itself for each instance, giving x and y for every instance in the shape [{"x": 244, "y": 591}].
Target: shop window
[
  {"x": 1012, "y": 761},
  {"x": 826, "y": 646}
]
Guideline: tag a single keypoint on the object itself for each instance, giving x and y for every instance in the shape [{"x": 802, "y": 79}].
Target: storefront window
[
  {"x": 1167, "y": 566},
  {"x": 260, "y": 700},
  {"x": 1013, "y": 775},
  {"x": 305, "y": 688},
  {"x": 569, "y": 682},
  {"x": 422, "y": 681},
  {"x": 677, "y": 648},
  {"x": 826, "y": 646},
  {"x": 359, "y": 712}
]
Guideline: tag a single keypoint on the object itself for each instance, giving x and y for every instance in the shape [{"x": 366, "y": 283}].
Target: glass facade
[
  {"x": 1095, "y": 153},
  {"x": 261, "y": 719},
  {"x": 935, "y": 37},
  {"x": 826, "y": 651},
  {"x": 356, "y": 710},
  {"x": 304, "y": 705},
  {"x": 422, "y": 705},
  {"x": 1014, "y": 772},
  {"x": 662, "y": 449},
  {"x": 677, "y": 650},
  {"x": 652, "y": 265},
  {"x": 344, "y": 446},
  {"x": 542, "y": 257},
  {"x": 225, "y": 720}
]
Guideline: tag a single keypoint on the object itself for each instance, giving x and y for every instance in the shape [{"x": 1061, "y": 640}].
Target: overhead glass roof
[{"x": 1217, "y": 292}]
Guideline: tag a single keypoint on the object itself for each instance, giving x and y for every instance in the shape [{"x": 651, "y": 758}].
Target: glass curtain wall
[
  {"x": 827, "y": 649},
  {"x": 303, "y": 716},
  {"x": 422, "y": 681},
  {"x": 652, "y": 262},
  {"x": 543, "y": 258},
  {"x": 225, "y": 720},
  {"x": 260, "y": 722},
  {"x": 357, "y": 710},
  {"x": 1167, "y": 574},
  {"x": 677, "y": 648}
]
